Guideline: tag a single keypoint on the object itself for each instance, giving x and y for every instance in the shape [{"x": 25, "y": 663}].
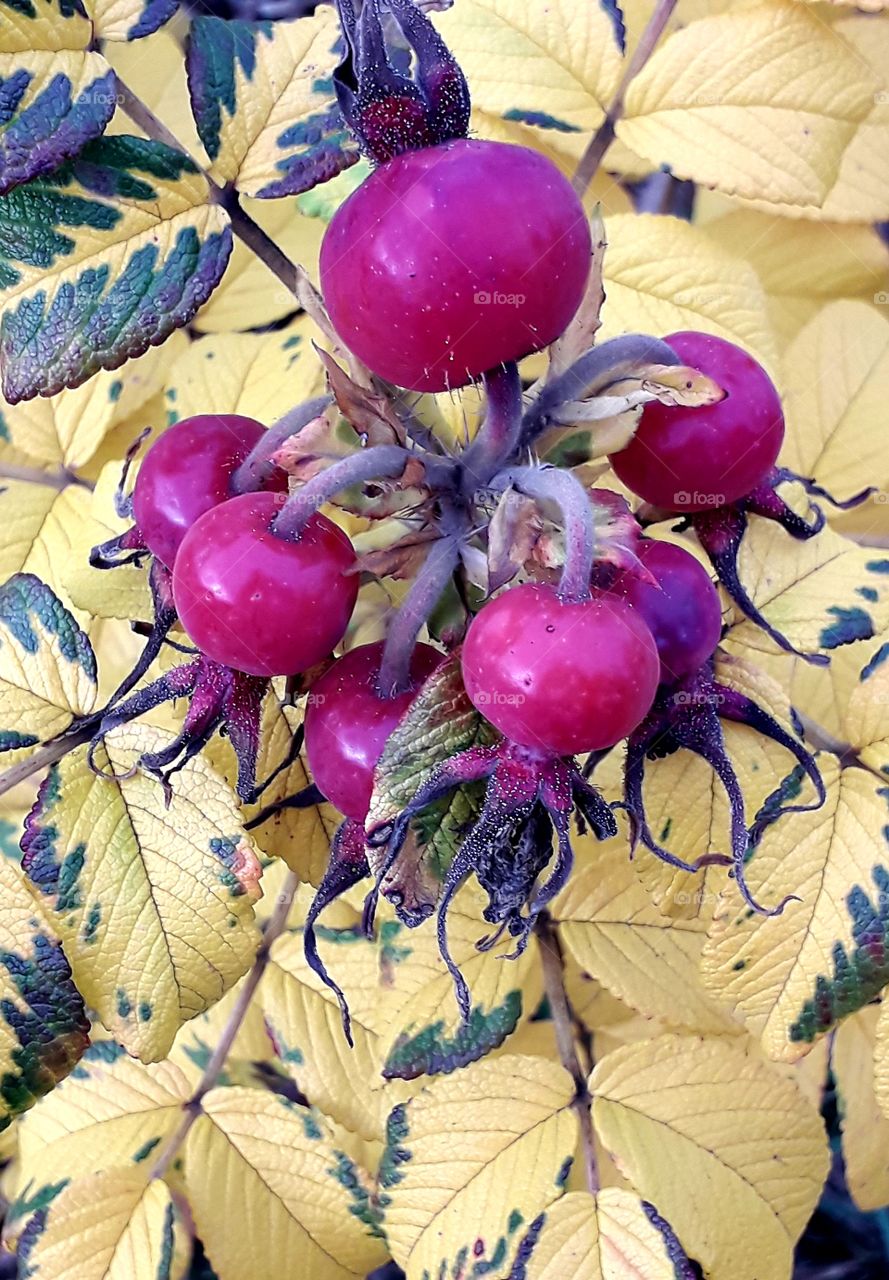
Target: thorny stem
[
  {"x": 564, "y": 1023},
  {"x": 291, "y": 274},
  {"x": 498, "y": 436},
  {"x": 604, "y": 135},
  {"x": 564, "y": 490},
  {"x": 257, "y": 467},
  {"x": 379, "y": 462},
  {"x": 424, "y": 594},
  {"x": 192, "y": 1108}
]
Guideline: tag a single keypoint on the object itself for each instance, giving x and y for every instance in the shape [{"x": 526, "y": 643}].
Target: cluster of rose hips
[{"x": 430, "y": 298}]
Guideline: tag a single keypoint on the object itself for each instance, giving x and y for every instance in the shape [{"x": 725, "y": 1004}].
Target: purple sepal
[
  {"x": 388, "y": 111},
  {"x": 347, "y": 866}
]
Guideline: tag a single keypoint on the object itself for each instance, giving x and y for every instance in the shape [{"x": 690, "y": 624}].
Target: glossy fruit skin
[
  {"x": 695, "y": 459},
  {"x": 187, "y": 471},
  {"x": 255, "y": 602},
  {"x": 563, "y": 678},
  {"x": 451, "y": 260},
  {"x": 683, "y": 613},
  {"x": 347, "y": 723}
]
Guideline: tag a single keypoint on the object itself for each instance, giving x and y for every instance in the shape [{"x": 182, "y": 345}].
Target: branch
[
  {"x": 48, "y": 754},
  {"x": 498, "y": 436},
  {"x": 604, "y": 135},
  {"x": 291, "y": 274},
  {"x": 379, "y": 462},
  {"x": 564, "y": 1023},
  {"x": 192, "y": 1108},
  {"x": 60, "y": 479}
]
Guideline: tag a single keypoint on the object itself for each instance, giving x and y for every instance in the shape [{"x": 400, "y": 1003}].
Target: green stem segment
[{"x": 383, "y": 461}]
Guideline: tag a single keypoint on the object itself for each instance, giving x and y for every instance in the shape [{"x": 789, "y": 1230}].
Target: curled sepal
[
  {"x": 347, "y": 866},
  {"x": 389, "y": 111}
]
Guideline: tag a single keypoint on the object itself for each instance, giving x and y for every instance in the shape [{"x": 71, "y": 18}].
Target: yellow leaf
[
  {"x": 698, "y": 1125},
  {"x": 127, "y": 20},
  {"x": 260, "y": 375},
  {"x": 473, "y": 1159},
  {"x": 865, "y": 1129},
  {"x": 250, "y": 295},
  {"x": 47, "y": 665},
  {"x": 555, "y": 65},
  {"x": 617, "y": 934},
  {"x": 153, "y": 903},
  {"x": 305, "y": 1024},
  {"x": 114, "y": 1225},
  {"x": 759, "y": 103},
  {"x": 44, "y": 25},
  {"x": 802, "y": 264},
  {"x": 835, "y": 378},
  {"x": 881, "y": 1059},
  {"x": 820, "y": 594},
  {"x": 859, "y": 193},
  {"x": 40, "y": 526},
  {"x": 196, "y": 1041},
  {"x": 154, "y": 68},
  {"x": 105, "y": 593},
  {"x": 301, "y": 837},
  {"x": 663, "y": 275},
  {"x": 43, "y": 1028},
  {"x": 791, "y": 977},
  {"x": 261, "y": 1150},
  {"x": 602, "y": 1237},
  {"x": 113, "y": 1111},
  {"x": 865, "y": 721}
]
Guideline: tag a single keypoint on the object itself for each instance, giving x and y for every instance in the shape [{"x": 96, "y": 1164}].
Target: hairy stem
[
  {"x": 192, "y": 1108},
  {"x": 257, "y": 467},
  {"x": 563, "y": 490},
  {"x": 424, "y": 594},
  {"x": 498, "y": 436},
  {"x": 564, "y": 1024},
  {"x": 604, "y": 135},
  {"x": 379, "y": 462},
  {"x": 50, "y": 753}
]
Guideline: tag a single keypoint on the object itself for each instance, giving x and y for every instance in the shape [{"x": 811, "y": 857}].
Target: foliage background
[{"x": 717, "y": 1038}]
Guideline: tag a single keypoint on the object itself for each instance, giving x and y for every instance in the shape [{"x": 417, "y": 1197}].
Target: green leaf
[
  {"x": 102, "y": 259},
  {"x": 439, "y": 724},
  {"x": 264, "y": 104},
  {"x": 51, "y": 105}
]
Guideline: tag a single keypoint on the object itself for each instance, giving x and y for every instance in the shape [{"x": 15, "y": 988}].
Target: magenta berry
[
  {"x": 683, "y": 612},
  {"x": 454, "y": 259},
  {"x": 560, "y": 677},
  {"x": 187, "y": 471},
  {"x": 347, "y": 723},
  {"x": 257, "y": 603},
  {"x": 695, "y": 459}
]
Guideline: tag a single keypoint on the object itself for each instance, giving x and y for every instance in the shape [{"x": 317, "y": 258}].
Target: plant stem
[
  {"x": 50, "y": 753},
  {"x": 257, "y": 467},
  {"x": 379, "y": 462},
  {"x": 563, "y": 1023},
  {"x": 291, "y": 274},
  {"x": 192, "y": 1108},
  {"x": 564, "y": 490},
  {"x": 60, "y": 479},
  {"x": 498, "y": 436},
  {"x": 424, "y": 594},
  {"x": 604, "y": 135}
]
